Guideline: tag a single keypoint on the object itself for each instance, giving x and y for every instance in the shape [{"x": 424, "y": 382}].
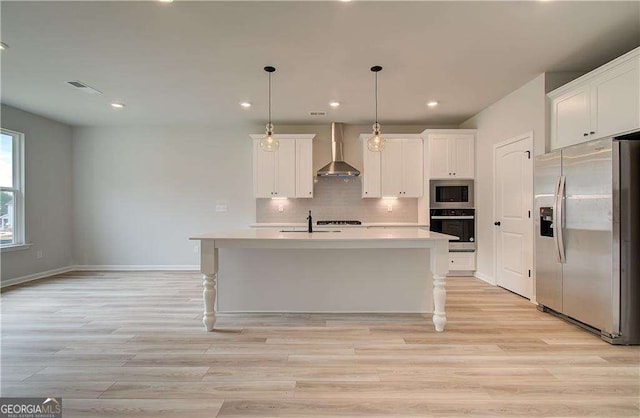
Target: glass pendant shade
[
  {"x": 269, "y": 141},
  {"x": 377, "y": 141}
]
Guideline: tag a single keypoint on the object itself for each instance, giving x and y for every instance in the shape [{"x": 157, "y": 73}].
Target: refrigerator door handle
[
  {"x": 559, "y": 232},
  {"x": 555, "y": 218}
]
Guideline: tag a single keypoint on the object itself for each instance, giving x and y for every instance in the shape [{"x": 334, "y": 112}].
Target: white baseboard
[
  {"x": 48, "y": 273},
  {"x": 128, "y": 267},
  {"x": 484, "y": 278},
  {"x": 35, "y": 276}
]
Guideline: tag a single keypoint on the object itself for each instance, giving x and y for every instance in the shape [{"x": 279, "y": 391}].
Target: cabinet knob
[
  {"x": 592, "y": 132},
  {"x": 585, "y": 134},
  {"x": 497, "y": 223},
  {"x": 366, "y": 192},
  {"x": 309, "y": 192},
  {"x": 454, "y": 174}
]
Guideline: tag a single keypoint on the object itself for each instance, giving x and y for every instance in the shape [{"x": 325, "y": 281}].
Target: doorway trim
[{"x": 528, "y": 136}]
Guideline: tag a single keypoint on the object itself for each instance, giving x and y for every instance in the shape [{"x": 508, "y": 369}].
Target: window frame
[{"x": 18, "y": 160}]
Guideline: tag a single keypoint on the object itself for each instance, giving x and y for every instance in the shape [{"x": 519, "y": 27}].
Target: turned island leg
[
  {"x": 439, "y": 269},
  {"x": 209, "y": 269}
]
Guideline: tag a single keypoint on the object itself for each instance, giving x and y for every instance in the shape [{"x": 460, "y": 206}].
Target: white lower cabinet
[{"x": 462, "y": 261}]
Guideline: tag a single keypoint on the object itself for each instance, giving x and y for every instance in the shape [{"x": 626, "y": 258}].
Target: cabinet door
[
  {"x": 570, "y": 118},
  {"x": 462, "y": 156},
  {"x": 304, "y": 168},
  {"x": 439, "y": 161},
  {"x": 264, "y": 167},
  {"x": 392, "y": 172},
  {"x": 412, "y": 165},
  {"x": 462, "y": 261},
  {"x": 615, "y": 101},
  {"x": 286, "y": 169},
  {"x": 371, "y": 172}
]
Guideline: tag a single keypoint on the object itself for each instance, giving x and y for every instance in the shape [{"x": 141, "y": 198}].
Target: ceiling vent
[
  {"x": 318, "y": 113},
  {"x": 83, "y": 87}
]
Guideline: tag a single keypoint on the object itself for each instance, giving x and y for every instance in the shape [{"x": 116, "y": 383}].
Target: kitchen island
[{"x": 359, "y": 254}]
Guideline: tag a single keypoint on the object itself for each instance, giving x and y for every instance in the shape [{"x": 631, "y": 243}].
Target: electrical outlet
[
  {"x": 196, "y": 248},
  {"x": 389, "y": 208},
  {"x": 39, "y": 254},
  {"x": 280, "y": 208}
]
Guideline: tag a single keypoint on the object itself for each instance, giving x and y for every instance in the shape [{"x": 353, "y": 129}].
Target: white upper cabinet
[
  {"x": 286, "y": 172},
  {"x": 371, "y": 172},
  {"x": 463, "y": 156},
  {"x": 397, "y": 171},
  {"x": 451, "y": 153},
  {"x": 570, "y": 116},
  {"x": 402, "y": 168},
  {"x": 602, "y": 103},
  {"x": 304, "y": 168}
]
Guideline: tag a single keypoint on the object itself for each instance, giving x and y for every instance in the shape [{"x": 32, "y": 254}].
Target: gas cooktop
[{"x": 338, "y": 223}]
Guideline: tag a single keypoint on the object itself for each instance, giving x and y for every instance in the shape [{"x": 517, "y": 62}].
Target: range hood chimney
[{"x": 337, "y": 167}]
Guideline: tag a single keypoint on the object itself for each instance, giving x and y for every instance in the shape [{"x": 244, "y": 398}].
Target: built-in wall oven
[
  {"x": 451, "y": 194},
  {"x": 458, "y": 222}
]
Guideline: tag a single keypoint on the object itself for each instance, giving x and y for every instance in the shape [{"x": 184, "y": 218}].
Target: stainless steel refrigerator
[{"x": 588, "y": 234}]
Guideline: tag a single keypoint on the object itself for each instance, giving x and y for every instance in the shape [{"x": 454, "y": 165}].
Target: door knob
[{"x": 497, "y": 223}]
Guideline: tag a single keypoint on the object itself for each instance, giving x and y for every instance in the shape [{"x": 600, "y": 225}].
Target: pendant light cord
[
  {"x": 269, "y": 98},
  {"x": 376, "y": 97}
]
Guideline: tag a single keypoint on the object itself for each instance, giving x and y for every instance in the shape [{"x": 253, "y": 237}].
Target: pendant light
[
  {"x": 269, "y": 141},
  {"x": 376, "y": 142}
]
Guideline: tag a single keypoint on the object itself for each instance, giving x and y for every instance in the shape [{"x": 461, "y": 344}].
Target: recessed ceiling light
[
  {"x": 3, "y": 46},
  {"x": 345, "y": 1},
  {"x": 432, "y": 103},
  {"x": 165, "y": 1},
  {"x": 245, "y": 104},
  {"x": 117, "y": 105},
  {"x": 334, "y": 104}
]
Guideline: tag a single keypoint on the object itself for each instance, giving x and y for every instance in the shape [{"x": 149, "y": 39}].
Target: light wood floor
[{"x": 132, "y": 345}]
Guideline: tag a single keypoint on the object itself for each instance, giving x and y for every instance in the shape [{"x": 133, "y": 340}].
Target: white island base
[{"x": 363, "y": 270}]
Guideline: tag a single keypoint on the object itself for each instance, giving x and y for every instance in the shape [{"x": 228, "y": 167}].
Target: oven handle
[{"x": 453, "y": 217}]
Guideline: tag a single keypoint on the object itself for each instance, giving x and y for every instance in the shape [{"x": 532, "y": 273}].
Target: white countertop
[
  {"x": 363, "y": 225},
  {"x": 352, "y": 234}
]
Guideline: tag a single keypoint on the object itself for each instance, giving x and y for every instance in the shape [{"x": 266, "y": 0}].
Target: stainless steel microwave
[{"x": 451, "y": 194}]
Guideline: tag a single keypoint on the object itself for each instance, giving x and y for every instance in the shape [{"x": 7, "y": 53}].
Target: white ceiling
[{"x": 193, "y": 62}]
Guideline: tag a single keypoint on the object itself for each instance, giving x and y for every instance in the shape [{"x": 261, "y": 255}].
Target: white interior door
[{"x": 513, "y": 171}]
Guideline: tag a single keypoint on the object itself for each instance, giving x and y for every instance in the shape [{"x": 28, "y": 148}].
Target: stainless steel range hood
[{"x": 337, "y": 167}]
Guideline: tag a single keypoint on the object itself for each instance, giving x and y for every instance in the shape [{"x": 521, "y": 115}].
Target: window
[{"x": 11, "y": 188}]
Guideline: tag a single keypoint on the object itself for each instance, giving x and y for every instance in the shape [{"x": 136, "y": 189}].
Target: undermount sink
[{"x": 285, "y": 230}]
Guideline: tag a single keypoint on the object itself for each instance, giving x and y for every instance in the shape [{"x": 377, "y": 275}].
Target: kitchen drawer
[{"x": 460, "y": 261}]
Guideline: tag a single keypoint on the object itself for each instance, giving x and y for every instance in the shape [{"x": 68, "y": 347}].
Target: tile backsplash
[{"x": 337, "y": 198}]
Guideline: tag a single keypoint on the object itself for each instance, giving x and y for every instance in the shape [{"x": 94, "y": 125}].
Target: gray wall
[
  {"x": 139, "y": 193},
  {"x": 48, "y": 194},
  {"x": 519, "y": 112}
]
